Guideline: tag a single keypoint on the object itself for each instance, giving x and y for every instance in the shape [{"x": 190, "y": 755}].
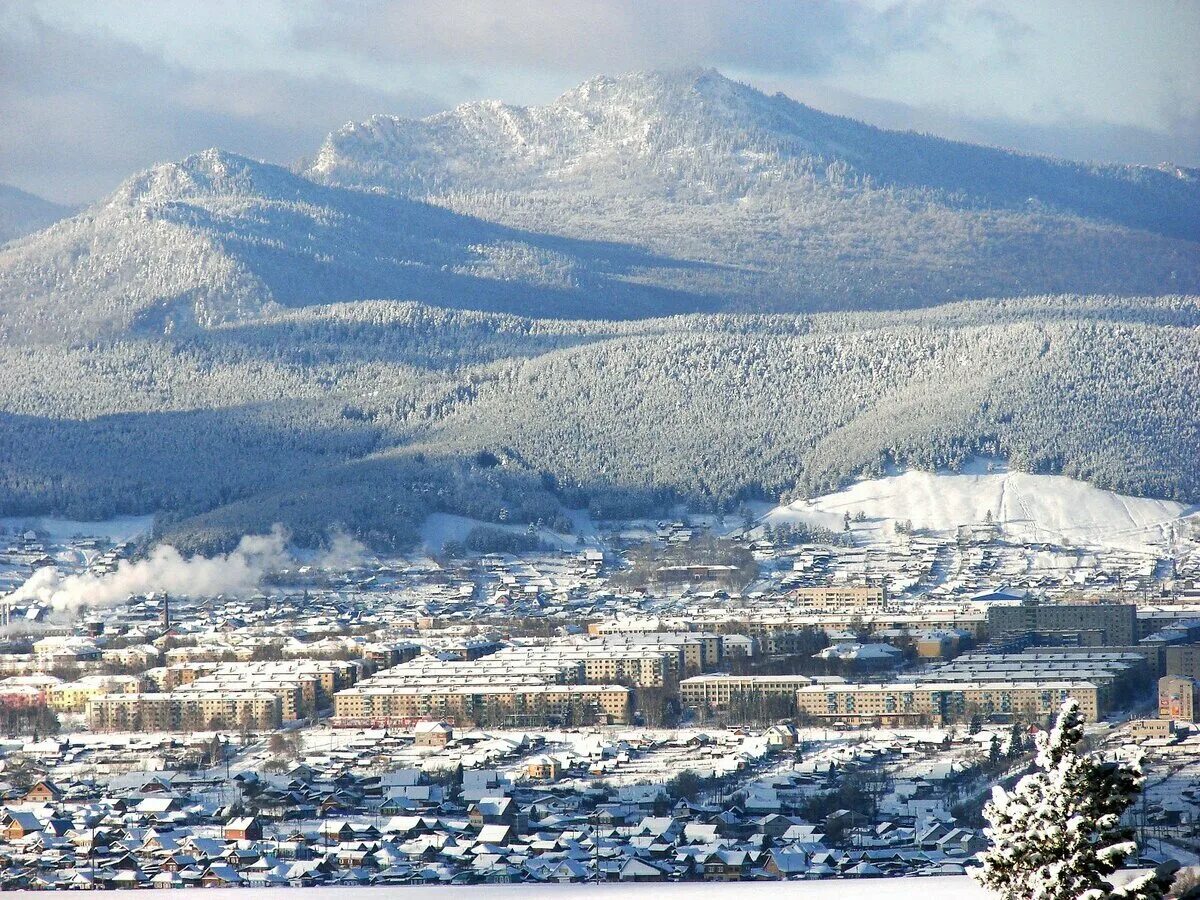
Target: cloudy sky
[{"x": 93, "y": 91}]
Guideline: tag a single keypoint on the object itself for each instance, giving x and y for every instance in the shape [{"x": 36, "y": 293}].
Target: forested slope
[{"x": 375, "y": 414}]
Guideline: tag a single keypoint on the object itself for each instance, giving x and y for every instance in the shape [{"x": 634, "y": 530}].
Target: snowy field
[
  {"x": 122, "y": 528},
  {"x": 940, "y": 888},
  {"x": 1032, "y": 508}
]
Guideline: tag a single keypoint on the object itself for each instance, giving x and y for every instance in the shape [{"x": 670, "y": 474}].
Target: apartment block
[
  {"x": 1183, "y": 659},
  {"x": 901, "y": 703},
  {"x": 183, "y": 711},
  {"x": 841, "y": 597},
  {"x": 73, "y": 696},
  {"x": 717, "y": 691},
  {"x": 526, "y": 704},
  {"x": 1091, "y": 624},
  {"x": 1177, "y": 698}
]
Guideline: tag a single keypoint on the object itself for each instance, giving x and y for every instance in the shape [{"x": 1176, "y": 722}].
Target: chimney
[{"x": 166, "y": 612}]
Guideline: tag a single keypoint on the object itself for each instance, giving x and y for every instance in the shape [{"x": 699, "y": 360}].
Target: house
[
  {"x": 244, "y": 828},
  {"x": 780, "y": 737},
  {"x": 432, "y": 734},
  {"x": 16, "y": 825},
  {"x": 499, "y": 835},
  {"x": 220, "y": 875},
  {"x": 635, "y": 869},
  {"x": 785, "y": 863},
  {"x": 726, "y": 865},
  {"x": 493, "y": 811},
  {"x": 43, "y": 792},
  {"x": 543, "y": 768},
  {"x": 569, "y": 870},
  {"x": 961, "y": 842}
]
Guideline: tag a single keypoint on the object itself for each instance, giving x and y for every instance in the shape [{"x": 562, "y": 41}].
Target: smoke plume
[
  {"x": 165, "y": 569},
  {"x": 344, "y": 552}
]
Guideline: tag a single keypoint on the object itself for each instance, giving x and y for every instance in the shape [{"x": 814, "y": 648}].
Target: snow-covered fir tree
[{"x": 1057, "y": 834}]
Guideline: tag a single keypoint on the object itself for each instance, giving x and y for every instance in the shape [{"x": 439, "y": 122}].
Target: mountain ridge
[
  {"x": 23, "y": 213},
  {"x": 638, "y": 196},
  {"x": 646, "y": 102}
]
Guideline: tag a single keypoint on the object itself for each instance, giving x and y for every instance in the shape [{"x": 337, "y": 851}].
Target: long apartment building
[
  {"x": 531, "y": 684},
  {"x": 911, "y": 703},
  {"x": 522, "y": 703},
  {"x": 73, "y": 696},
  {"x": 1116, "y": 674},
  {"x": 700, "y": 650},
  {"x": 603, "y": 661},
  {"x": 321, "y": 678},
  {"x": 772, "y": 629},
  {"x": 1088, "y": 624},
  {"x": 718, "y": 691},
  {"x": 1029, "y": 685},
  {"x": 184, "y": 711}
]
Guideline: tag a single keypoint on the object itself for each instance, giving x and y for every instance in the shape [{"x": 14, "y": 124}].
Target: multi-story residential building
[
  {"x": 1177, "y": 697},
  {"x": 522, "y": 704},
  {"x": 73, "y": 696},
  {"x": 770, "y": 628},
  {"x": 900, "y": 703},
  {"x": 717, "y": 691},
  {"x": 1094, "y": 624},
  {"x": 852, "y": 598},
  {"x": 1117, "y": 675},
  {"x": 183, "y": 711},
  {"x": 1183, "y": 659}
]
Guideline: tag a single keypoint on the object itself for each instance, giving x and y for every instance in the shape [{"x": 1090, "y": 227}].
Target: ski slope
[{"x": 1049, "y": 509}]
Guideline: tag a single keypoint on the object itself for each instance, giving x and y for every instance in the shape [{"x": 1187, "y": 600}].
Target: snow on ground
[
  {"x": 950, "y": 887},
  {"x": 442, "y": 527},
  {"x": 1027, "y": 507},
  {"x": 122, "y": 528}
]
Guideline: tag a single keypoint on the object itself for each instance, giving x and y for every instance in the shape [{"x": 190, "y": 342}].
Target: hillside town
[{"x": 671, "y": 701}]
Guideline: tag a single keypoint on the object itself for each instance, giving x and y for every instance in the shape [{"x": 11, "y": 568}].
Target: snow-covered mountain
[
  {"x": 627, "y": 197},
  {"x": 696, "y": 135},
  {"x": 797, "y": 208},
  {"x": 22, "y": 213},
  {"x": 233, "y": 343},
  {"x": 219, "y": 238}
]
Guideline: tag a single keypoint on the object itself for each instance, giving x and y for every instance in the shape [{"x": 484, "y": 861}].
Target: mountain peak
[
  {"x": 208, "y": 173},
  {"x": 658, "y": 80}
]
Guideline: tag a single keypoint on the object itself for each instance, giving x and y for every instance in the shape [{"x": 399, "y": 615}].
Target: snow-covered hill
[
  {"x": 1049, "y": 509},
  {"x": 218, "y": 238},
  {"x": 22, "y": 213}
]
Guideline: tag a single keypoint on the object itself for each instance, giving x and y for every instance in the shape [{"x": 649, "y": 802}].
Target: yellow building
[
  {"x": 841, "y": 597},
  {"x": 718, "y": 690},
  {"x": 938, "y": 703},
  {"x": 73, "y": 696},
  {"x": 183, "y": 711}
]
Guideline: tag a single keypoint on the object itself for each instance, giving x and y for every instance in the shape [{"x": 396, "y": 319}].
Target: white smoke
[
  {"x": 343, "y": 553},
  {"x": 165, "y": 569}
]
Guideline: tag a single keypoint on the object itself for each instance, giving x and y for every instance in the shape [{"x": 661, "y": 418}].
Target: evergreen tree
[{"x": 1057, "y": 834}]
